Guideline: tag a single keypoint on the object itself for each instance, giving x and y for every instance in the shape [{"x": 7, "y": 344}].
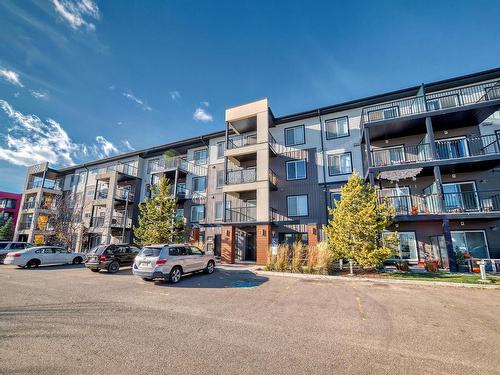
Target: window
[
  {"x": 334, "y": 197},
  {"x": 219, "y": 214},
  {"x": 462, "y": 196},
  {"x": 179, "y": 214},
  {"x": 199, "y": 184},
  {"x": 297, "y": 205},
  {"x": 291, "y": 238},
  {"x": 407, "y": 248},
  {"x": 220, "y": 179},
  {"x": 295, "y": 136},
  {"x": 220, "y": 149},
  {"x": 194, "y": 251},
  {"x": 339, "y": 164},
  {"x": 472, "y": 242},
  {"x": 296, "y": 170},
  {"x": 338, "y": 127},
  {"x": 452, "y": 148},
  {"x": 200, "y": 157},
  {"x": 178, "y": 251},
  {"x": 197, "y": 213}
]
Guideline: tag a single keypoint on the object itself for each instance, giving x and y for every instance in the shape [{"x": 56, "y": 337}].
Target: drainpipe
[{"x": 324, "y": 164}]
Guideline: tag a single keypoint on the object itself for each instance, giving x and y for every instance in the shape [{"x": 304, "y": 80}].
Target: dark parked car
[{"x": 111, "y": 257}]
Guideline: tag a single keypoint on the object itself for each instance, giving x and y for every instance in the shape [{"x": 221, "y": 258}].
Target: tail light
[
  {"x": 161, "y": 261},
  {"x": 15, "y": 255},
  {"x": 103, "y": 258}
]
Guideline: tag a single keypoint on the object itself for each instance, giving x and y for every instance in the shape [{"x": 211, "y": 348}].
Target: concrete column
[
  {"x": 452, "y": 260},
  {"x": 228, "y": 242},
  {"x": 263, "y": 243},
  {"x": 430, "y": 137},
  {"x": 312, "y": 234}
]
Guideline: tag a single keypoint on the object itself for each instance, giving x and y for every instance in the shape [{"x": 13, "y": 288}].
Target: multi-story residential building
[
  {"x": 9, "y": 207},
  {"x": 432, "y": 150}
]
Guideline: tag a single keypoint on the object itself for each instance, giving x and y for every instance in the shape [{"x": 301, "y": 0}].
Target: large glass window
[
  {"x": 291, "y": 238},
  {"x": 220, "y": 150},
  {"x": 470, "y": 242},
  {"x": 339, "y": 164},
  {"x": 296, "y": 170},
  {"x": 297, "y": 205},
  {"x": 197, "y": 213},
  {"x": 219, "y": 214},
  {"x": 407, "y": 248},
  {"x": 334, "y": 199},
  {"x": 199, "y": 184},
  {"x": 200, "y": 157},
  {"x": 338, "y": 127},
  {"x": 295, "y": 136},
  {"x": 460, "y": 196}
]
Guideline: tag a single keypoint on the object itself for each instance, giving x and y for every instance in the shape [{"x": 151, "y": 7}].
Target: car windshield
[
  {"x": 3, "y": 245},
  {"x": 150, "y": 251},
  {"x": 97, "y": 249}
]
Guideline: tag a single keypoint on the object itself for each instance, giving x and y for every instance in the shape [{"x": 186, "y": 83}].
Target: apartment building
[
  {"x": 432, "y": 150},
  {"x": 9, "y": 206}
]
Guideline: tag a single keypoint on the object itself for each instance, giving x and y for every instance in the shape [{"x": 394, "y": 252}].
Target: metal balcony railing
[
  {"x": 432, "y": 102},
  {"x": 28, "y": 205},
  {"x": 24, "y": 226},
  {"x": 47, "y": 184},
  {"x": 177, "y": 162},
  {"x": 124, "y": 194},
  {"x": 97, "y": 222},
  {"x": 459, "y": 202},
  {"x": 118, "y": 220},
  {"x": 101, "y": 194},
  {"x": 446, "y": 149},
  {"x": 241, "y": 214},
  {"x": 241, "y": 140},
  {"x": 241, "y": 176}
]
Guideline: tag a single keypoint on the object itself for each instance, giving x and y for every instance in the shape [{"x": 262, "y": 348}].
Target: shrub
[
  {"x": 312, "y": 259},
  {"x": 325, "y": 258},
  {"x": 271, "y": 260},
  {"x": 402, "y": 266},
  {"x": 282, "y": 258},
  {"x": 297, "y": 257},
  {"x": 431, "y": 265}
]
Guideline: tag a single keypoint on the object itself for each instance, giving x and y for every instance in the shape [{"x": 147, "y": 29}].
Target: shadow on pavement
[
  {"x": 52, "y": 267},
  {"x": 221, "y": 278}
]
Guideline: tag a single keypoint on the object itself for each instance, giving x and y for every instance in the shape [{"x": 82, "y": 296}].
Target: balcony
[
  {"x": 119, "y": 221},
  {"x": 102, "y": 194},
  {"x": 459, "y": 203},
  {"x": 24, "y": 226},
  {"x": 433, "y": 102},
  {"x": 241, "y": 140},
  {"x": 97, "y": 222},
  {"x": 124, "y": 194},
  {"x": 47, "y": 184},
  {"x": 241, "y": 176},
  {"x": 29, "y": 205},
  {"x": 245, "y": 214},
  {"x": 459, "y": 148},
  {"x": 170, "y": 164}
]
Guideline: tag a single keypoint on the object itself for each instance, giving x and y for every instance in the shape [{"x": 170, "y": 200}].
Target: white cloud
[
  {"x": 206, "y": 104},
  {"x": 30, "y": 140},
  {"x": 138, "y": 101},
  {"x": 175, "y": 95},
  {"x": 127, "y": 144},
  {"x": 119, "y": 123},
  {"x": 201, "y": 115},
  {"x": 39, "y": 94},
  {"x": 112, "y": 87},
  {"x": 11, "y": 77},
  {"x": 77, "y": 13}
]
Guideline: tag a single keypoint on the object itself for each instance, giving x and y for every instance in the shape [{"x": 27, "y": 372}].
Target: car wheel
[
  {"x": 21, "y": 266},
  {"x": 33, "y": 263},
  {"x": 175, "y": 275},
  {"x": 95, "y": 269},
  {"x": 77, "y": 260},
  {"x": 113, "y": 267},
  {"x": 210, "y": 267},
  {"x": 147, "y": 279}
]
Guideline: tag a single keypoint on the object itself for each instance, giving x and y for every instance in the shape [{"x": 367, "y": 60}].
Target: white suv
[{"x": 171, "y": 261}]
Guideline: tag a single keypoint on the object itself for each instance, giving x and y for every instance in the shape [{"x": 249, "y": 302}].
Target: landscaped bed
[{"x": 440, "y": 276}]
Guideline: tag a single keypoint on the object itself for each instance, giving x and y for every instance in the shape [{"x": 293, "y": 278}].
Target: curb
[{"x": 373, "y": 280}]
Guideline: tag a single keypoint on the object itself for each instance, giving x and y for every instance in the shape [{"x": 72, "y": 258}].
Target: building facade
[
  {"x": 9, "y": 207},
  {"x": 431, "y": 150}
]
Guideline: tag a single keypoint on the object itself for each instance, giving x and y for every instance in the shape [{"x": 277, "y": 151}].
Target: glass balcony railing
[
  {"x": 241, "y": 214},
  {"x": 241, "y": 176},
  {"x": 241, "y": 140}
]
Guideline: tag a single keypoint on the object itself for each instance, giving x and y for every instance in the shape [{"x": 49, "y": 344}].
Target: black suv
[{"x": 111, "y": 257}]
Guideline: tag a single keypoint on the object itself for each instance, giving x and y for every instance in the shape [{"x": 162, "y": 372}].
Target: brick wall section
[
  {"x": 312, "y": 234},
  {"x": 263, "y": 243},
  {"x": 194, "y": 236},
  {"x": 228, "y": 243}
]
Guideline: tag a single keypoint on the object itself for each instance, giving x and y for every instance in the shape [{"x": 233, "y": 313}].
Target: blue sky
[{"x": 83, "y": 79}]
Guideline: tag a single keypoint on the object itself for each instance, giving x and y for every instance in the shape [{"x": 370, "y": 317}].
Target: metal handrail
[
  {"x": 432, "y": 102},
  {"x": 241, "y": 176},
  {"x": 241, "y": 214},
  {"x": 241, "y": 140}
]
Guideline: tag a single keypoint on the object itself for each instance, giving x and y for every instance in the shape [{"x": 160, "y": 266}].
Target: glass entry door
[{"x": 470, "y": 242}]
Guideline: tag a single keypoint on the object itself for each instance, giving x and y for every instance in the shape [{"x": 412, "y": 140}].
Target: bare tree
[{"x": 66, "y": 221}]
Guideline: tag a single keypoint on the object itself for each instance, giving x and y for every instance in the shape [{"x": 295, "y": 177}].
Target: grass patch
[{"x": 460, "y": 278}]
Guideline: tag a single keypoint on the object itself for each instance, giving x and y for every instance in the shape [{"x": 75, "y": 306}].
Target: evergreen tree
[
  {"x": 157, "y": 217},
  {"x": 357, "y": 223},
  {"x": 7, "y": 230}
]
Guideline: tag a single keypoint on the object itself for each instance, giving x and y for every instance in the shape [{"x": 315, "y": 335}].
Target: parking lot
[{"x": 65, "y": 319}]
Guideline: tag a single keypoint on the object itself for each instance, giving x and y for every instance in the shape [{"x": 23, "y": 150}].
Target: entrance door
[
  {"x": 250, "y": 252},
  {"x": 217, "y": 245}
]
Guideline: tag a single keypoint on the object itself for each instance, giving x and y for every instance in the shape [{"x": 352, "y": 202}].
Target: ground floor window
[
  {"x": 291, "y": 238},
  {"x": 407, "y": 248},
  {"x": 472, "y": 242}
]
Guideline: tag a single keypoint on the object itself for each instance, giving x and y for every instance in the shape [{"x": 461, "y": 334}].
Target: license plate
[{"x": 144, "y": 265}]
